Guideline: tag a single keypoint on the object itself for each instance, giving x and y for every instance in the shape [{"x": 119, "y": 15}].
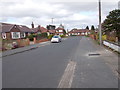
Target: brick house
[
  {"x": 50, "y": 30},
  {"x": 79, "y": 32},
  {"x": 13, "y": 31},
  {"x": 39, "y": 29},
  {"x": 36, "y": 30},
  {"x": 60, "y": 31}
]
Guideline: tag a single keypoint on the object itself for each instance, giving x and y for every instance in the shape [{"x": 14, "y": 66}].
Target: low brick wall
[
  {"x": 43, "y": 40},
  {"x": 23, "y": 42},
  {"x": 9, "y": 44},
  {"x": 93, "y": 36}
]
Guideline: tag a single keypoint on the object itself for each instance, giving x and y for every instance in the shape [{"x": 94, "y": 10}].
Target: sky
[{"x": 71, "y": 13}]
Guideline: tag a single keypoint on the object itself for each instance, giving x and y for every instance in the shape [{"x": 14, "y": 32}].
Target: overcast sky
[{"x": 72, "y": 13}]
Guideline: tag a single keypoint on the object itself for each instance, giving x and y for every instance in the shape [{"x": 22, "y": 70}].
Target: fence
[{"x": 112, "y": 46}]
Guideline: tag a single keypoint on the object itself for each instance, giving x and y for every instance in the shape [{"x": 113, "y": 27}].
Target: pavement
[
  {"x": 93, "y": 69},
  {"x": 68, "y": 62}
]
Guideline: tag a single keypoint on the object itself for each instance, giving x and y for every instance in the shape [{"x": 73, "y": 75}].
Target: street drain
[{"x": 94, "y": 54}]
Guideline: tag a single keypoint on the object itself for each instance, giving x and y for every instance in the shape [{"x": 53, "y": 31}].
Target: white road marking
[{"x": 67, "y": 78}]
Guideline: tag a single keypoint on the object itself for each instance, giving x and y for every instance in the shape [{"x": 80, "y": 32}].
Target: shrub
[
  {"x": 62, "y": 36},
  {"x": 42, "y": 35},
  {"x": 87, "y": 35},
  {"x": 50, "y": 36},
  {"x": 31, "y": 37},
  {"x": 104, "y": 37}
]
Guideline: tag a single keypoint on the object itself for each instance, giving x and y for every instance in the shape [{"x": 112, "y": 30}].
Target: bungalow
[
  {"x": 36, "y": 30},
  {"x": 60, "y": 31},
  {"x": 52, "y": 32},
  {"x": 13, "y": 31},
  {"x": 39, "y": 29},
  {"x": 79, "y": 32}
]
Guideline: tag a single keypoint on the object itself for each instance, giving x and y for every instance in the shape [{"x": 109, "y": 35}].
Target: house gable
[{"x": 15, "y": 29}]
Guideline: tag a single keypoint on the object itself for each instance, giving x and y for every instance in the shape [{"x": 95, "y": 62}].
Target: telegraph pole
[
  {"x": 100, "y": 31},
  {"x": 52, "y": 20}
]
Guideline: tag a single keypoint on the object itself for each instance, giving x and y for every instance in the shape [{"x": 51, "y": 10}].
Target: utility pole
[
  {"x": 119, "y": 5},
  {"x": 100, "y": 31},
  {"x": 52, "y": 20}
]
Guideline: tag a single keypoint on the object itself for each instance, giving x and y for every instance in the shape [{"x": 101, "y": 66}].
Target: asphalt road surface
[{"x": 50, "y": 65}]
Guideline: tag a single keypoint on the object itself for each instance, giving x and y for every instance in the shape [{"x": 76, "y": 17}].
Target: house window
[
  {"x": 15, "y": 35},
  {"x": 23, "y": 35},
  {"x": 60, "y": 30},
  {"x": 4, "y": 35}
]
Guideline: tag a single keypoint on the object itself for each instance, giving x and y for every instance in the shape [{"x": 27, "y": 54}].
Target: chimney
[
  {"x": 32, "y": 25},
  {"x": 39, "y": 26}
]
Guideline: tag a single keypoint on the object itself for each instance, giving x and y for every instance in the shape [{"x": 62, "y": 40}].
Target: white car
[{"x": 56, "y": 38}]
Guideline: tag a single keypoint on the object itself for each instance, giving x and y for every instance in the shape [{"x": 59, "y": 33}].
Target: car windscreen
[{"x": 55, "y": 37}]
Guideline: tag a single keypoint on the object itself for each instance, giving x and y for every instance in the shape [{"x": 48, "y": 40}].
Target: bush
[
  {"x": 50, "y": 36},
  {"x": 62, "y": 36},
  {"x": 42, "y": 35},
  {"x": 104, "y": 37},
  {"x": 87, "y": 35},
  {"x": 31, "y": 37}
]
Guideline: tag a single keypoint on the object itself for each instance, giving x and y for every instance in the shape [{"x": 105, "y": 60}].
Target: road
[{"x": 65, "y": 64}]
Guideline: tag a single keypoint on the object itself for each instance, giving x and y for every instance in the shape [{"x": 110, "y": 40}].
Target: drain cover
[{"x": 94, "y": 54}]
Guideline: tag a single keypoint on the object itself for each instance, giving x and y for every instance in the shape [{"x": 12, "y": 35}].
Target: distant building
[
  {"x": 79, "y": 32},
  {"x": 60, "y": 30},
  {"x": 51, "y": 27},
  {"x": 39, "y": 29},
  {"x": 61, "y": 26}
]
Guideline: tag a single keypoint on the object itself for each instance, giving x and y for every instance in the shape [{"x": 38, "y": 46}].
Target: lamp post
[{"x": 100, "y": 31}]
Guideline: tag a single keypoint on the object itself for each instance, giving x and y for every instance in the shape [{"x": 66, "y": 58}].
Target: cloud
[{"x": 73, "y": 13}]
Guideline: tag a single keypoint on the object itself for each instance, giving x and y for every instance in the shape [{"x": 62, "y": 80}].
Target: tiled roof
[
  {"x": 7, "y": 27},
  {"x": 39, "y": 28},
  {"x": 43, "y": 30},
  {"x": 60, "y": 28},
  {"x": 24, "y": 28},
  {"x": 52, "y": 31},
  {"x": 79, "y": 31},
  {"x": 35, "y": 29}
]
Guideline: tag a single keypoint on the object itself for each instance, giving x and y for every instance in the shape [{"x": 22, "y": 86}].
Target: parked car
[{"x": 56, "y": 38}]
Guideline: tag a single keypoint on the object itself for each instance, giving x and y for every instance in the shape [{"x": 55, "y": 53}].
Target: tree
[
  {"x": 64, "y": 31},
  {"x": 112, "y": 22},
  {"x": 92, "y": 27},
  {"x": 87, "y": 27}
]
